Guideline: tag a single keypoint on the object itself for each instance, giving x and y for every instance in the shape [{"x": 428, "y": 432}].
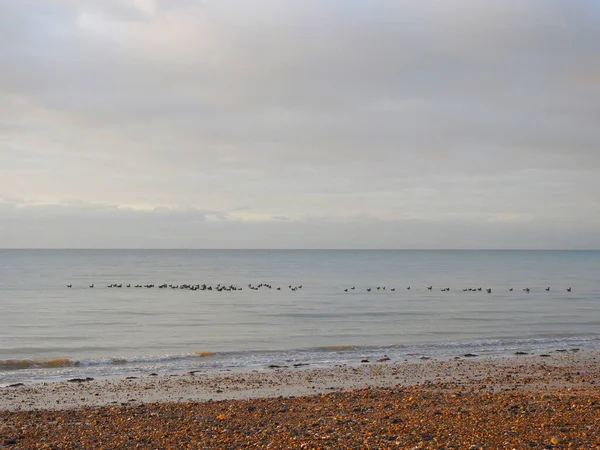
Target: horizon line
[{"x": 298, "y": 249}]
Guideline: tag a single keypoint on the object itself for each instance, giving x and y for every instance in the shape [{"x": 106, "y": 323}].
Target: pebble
[
  {"x": 418, "y": 417},
  {"x": 472, "y": 404},
  {"x": 80, "y": 380}
]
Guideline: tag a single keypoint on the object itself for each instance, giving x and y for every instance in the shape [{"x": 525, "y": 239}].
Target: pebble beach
[{"x": 525, "y": 401}]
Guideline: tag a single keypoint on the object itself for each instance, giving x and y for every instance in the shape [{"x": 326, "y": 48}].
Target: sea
[{"x": 255, "y": 308}]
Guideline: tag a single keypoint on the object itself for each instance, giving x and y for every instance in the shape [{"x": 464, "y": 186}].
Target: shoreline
[
  {"x": 36, "y": 370},
  {"x": 525, "y": 401},
  {"x": 534, "y": 371}
]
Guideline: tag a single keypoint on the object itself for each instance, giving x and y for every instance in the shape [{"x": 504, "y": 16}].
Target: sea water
[{"x": 48, "y": 330}]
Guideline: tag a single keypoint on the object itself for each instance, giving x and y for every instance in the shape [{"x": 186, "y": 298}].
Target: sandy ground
[
  {"x": 527, "y": 401},
  {"x": 561, "y": 369}
]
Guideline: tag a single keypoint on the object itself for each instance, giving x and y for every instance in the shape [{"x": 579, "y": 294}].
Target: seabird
[
  {"x": 548, "y": 288},
  {"x": 569, "y": 289},
  {"x": 69, "y": 285}
]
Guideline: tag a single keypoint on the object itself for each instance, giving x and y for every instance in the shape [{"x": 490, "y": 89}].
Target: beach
[{"x": 548, "y": 400}]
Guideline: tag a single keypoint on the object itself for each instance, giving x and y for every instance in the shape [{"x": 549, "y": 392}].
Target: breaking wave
[
  {"x": 330, "y": 354},
  {"x": 37, "y": 363}
]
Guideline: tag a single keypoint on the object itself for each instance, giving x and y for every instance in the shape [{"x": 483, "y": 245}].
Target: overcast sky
[{"x": 300, "y": 123}]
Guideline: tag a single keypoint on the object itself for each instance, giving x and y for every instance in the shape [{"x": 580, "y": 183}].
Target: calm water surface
[{"x": 49, "y": 330}]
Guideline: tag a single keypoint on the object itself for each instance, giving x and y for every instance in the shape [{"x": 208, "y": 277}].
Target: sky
[{"x": 300, "y": 124}]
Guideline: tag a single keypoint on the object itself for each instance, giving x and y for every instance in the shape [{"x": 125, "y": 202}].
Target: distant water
[{"x": 48, "y": 330}]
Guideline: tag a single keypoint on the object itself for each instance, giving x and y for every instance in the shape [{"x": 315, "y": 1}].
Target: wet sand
[{"x": 528, "y": 401}]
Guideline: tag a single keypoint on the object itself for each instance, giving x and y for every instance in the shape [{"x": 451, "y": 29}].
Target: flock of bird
[
  {"x": 447, "y": 289},
  {"x": 195, "y": 287},
  {"x": 231, "y": 287}
]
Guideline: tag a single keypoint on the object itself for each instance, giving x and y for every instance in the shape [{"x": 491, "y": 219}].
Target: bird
[
  {"x": 353, "y": 287},
  {"x": 368, "y": 289},
  {"x": 489, "y": 291},
  {"x": 511, "y": 289},
  {"x": 526, "y": 289},
  {"x": 69, "y": 285},
  {"x": 408, "y": 288},
  {"x": 547, "y": 289},
  {"x": 429, "y": 288},
  {"x": 568, "y": 289},
  {"x": 91, "y": 285},
  {"x": 345, "y": 290},
  {"x": 393, "y": 289}
]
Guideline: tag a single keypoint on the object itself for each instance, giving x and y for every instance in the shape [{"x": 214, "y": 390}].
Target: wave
[
  {"x": 37, "y": 363},
  {"x": 64, "y": 362},
  {"x": 337, "y": 348},
  {"x": 313, "y": 355}
]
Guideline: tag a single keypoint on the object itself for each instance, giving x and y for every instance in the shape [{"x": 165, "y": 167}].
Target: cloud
[
  {"x": 106, "y": 226},
  {"x": 393, "y": 110}
]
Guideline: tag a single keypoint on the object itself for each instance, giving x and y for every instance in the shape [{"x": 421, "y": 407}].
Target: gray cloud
[
  {"x": 93, "y": 226},
  {"x": 478, "y": 113}
]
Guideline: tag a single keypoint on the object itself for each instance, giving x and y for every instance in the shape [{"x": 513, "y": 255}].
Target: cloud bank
[{"x": 299, "y": 124}]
